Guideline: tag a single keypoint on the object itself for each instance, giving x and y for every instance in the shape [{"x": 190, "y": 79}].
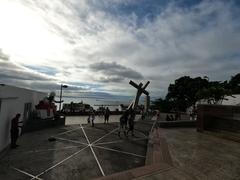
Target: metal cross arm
[{"x": 139, "y": 87}]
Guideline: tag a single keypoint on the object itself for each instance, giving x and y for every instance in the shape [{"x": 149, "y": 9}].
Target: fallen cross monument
[{"x": 140, "y": 89}]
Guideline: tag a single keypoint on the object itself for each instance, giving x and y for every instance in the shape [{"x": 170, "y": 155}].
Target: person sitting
[{"x": 168, "y": 118}]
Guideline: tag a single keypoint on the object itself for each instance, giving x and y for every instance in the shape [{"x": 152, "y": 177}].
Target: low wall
[
  {"x": 38, "y": 124},
  {"x": 169, "y": 124},
  {"x": 218, "y": 117}
]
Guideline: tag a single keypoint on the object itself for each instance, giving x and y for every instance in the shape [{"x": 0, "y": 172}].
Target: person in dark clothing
[
  {"x": 131, "y": 123},
  {"x": 14, "y": 130},
  {"x": 106, "y": 115},
  {"x": 143, "y": 115},
  {"x": 123, "y": 124},
  {"x": 93, "y": 117},
  {"x": 171, "y": 117},
  {"x": 168, "y": 118}
]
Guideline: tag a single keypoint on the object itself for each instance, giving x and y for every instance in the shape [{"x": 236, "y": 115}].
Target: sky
[{"x": 97, "y": 46}]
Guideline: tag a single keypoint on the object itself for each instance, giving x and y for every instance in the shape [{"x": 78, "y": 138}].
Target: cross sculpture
[{"x": 140, "y": 89}]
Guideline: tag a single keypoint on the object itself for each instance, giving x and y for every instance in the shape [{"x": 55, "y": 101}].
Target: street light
[{"x": 62, "y": 86}]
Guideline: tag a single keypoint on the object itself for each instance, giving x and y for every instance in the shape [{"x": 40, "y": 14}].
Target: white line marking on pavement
[
  {"x": 153, "y": 126},
  {"x": 21, "y": 171},
  {"x": 61, "y": 162},
  {"x": 110, "y": 142},
  {"x": 105, "y": 135},
  {"x": 90, "y": 145},
  {"x": 141, "y": 133},
  {"x": 119, "y": 141},
  {"x": 67, "y": 131},
  {"x": 123, "y": 152},
  {"x": 63, "y": 139}
]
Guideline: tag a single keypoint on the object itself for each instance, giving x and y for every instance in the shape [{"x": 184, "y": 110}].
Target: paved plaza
[
  {"x": 199, "y": 156},
  {"x": 78, "y": 152},
  {"x": 85, "y": 152}
]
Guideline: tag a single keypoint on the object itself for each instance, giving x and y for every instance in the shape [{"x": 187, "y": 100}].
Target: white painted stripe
[
  {"x": 153, "y": 126},
  {"x": 123, "y": 152},
  {"x": 69, "y": 140},
  {"x": 99, "y": 165},
  {"x": 67, "y": 131},
  {"x": 93, "y": 129},
  {"x": 119, "y": 141},
  {"x": 24, "y": 172},
  {"x": 111, "y": 142},
  {"x": 141, "y": 133},
  {"x": 105, "y": 135},
  {"x": 45, "y": 171}
]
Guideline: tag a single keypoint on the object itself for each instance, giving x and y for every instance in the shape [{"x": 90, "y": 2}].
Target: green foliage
[
  {"x": 186, "y": 91},
  {"x": 162, "y": 105},
  {"x": 213, "y": 94},
  {"x": 182, "y": 93},
  {"x": 234, "y": 84}
]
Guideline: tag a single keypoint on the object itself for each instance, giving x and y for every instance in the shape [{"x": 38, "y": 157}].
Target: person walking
[
  {"x": 14, "y": 130},
  {"x": 143, "y": 115},
  {"x": 123, "y": 124},
  {"x": 131, "y": 123},
  {"x": 93, "y": 117},
  {"x": 106, "y": 115}
]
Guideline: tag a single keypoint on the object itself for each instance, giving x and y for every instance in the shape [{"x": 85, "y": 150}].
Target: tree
[
  {"x": 214, "y": 93},
  {"x": 186, "y": 91},
  {"x": 161, "y": 104},
  {"x": 234, "y": 84},
  {"x": 182, "y": 93}
]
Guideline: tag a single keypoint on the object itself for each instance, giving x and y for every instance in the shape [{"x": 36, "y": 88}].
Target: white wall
[
  {"x": 13, "y": 100},
  {"x": 232, "y": 100}
]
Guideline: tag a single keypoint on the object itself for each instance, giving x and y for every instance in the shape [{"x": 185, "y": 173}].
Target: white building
[
  {"x": 233, "y": 100},
  {"x": 15, "y": 100},
  {"x": 229, "y": 100}
]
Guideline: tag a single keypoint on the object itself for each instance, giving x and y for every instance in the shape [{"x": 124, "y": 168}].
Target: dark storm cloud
[
  {"x": 9, "y": 70},
  {"x": 148, "y": 39},
  {"x": 113, "y": 72}
]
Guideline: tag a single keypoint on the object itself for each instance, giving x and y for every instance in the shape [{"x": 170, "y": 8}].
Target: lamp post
[{"x": 62, "y": 86}]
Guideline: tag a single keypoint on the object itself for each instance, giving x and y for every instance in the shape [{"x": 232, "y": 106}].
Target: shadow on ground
[{"x": 79, "y": 152}]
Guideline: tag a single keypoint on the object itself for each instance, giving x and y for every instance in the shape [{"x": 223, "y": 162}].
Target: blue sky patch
[{"x": 43, "y": 69}]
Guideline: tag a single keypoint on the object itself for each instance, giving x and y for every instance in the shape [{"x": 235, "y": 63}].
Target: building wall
[
  {"x": 218, "y": 117},
  {"x": 13, "y": 101}
]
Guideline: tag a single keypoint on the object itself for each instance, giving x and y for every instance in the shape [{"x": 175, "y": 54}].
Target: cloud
[
  {"x": 105, "y": 43},
  {"x": 113, "y": 72},
  {"x": 3, "y": 56}
]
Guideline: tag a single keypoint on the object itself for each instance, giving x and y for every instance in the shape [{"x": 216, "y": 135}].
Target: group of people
[
  {"x": 127, "y": 123},
  {"x": 91, "y": 116}
]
